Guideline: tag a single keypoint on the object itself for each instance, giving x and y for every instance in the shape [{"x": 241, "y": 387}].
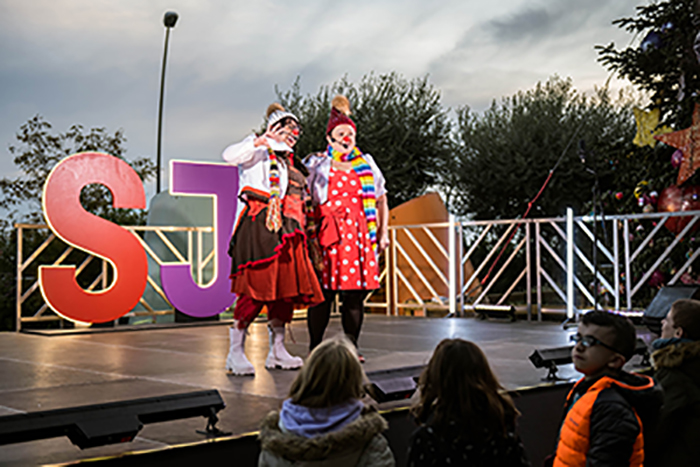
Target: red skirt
[{"x": 270, "y": 266}]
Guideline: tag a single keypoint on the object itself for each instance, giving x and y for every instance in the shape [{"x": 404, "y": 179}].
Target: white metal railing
[
  {"x": 28, "y": 286},
  {"x": 425, "y": 268},
  {"x": 559, "y": 271}
]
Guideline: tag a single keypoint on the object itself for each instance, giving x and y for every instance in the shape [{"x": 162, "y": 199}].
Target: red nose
[{"x": 346, "y": 139}]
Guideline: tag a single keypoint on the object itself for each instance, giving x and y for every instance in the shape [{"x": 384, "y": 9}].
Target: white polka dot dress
[{"x": 350, "y": 264}]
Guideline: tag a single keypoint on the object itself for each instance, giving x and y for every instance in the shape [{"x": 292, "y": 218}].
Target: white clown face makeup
[{"x": 342, "y": 138}]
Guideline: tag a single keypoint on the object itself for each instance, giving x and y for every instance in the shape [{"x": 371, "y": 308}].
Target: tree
[
  {"x": 505, "y": 154},
  {"x": 39, "y": 152},
  {"x": 663, "y": 66},
  {"x": 36, "y": 154},
  {"x": 400, "y": 122}
]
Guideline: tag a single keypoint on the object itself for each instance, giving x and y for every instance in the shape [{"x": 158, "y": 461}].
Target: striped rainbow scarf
[
  {"x": 273, "y": 221},
  {"x": 364, "y": 173}
]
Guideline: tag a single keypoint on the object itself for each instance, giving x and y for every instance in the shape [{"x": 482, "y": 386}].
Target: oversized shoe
[
  {"x": 278, "y": 357},
  {"x": 236, "y": 361}
]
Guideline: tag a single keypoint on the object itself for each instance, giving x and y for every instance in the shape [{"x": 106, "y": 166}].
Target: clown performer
[
  {"x": 270, "y": 265},
  {"x": 348, "y": 192}
]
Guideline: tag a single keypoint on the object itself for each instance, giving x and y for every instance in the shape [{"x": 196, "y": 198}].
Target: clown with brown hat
[
  {"x": 270, "y": 266},
  {"x": 348, "y": 191}
]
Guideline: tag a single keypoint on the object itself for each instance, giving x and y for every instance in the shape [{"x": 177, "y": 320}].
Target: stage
[{"x": 41, "y": 372}]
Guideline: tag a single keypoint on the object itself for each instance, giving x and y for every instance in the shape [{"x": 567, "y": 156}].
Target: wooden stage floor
[{"x": 39, "y": 372}]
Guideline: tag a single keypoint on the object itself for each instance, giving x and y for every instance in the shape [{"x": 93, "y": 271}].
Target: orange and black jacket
[{"x": 605, "y": 419}]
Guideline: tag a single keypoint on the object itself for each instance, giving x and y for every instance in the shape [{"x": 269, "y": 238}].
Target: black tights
[{"x": 351, "y": 310}]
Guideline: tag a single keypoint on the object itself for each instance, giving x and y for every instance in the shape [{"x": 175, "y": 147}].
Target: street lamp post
[{"x": 169, "y": 20}]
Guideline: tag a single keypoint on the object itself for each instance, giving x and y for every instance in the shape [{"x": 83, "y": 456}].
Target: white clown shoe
[
  {"x": 278, "y": 357},
  {"x": 236, "y": 361}
]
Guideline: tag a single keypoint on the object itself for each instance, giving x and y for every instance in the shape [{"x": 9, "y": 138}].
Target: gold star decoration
[
  {"x": 688, "y": 141},
  {"x": 647, "y": 123}
]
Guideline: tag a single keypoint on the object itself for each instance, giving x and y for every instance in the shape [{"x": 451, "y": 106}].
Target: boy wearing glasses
[
  {"x": 676, "y": 359},
  {"x": 604, "y": 412}
]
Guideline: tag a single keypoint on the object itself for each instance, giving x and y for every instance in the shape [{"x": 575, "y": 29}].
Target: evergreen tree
[{"x": 665, "y": 68}]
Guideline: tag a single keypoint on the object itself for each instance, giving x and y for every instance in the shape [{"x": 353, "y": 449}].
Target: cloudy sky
[{"x": 97, "y": 62}]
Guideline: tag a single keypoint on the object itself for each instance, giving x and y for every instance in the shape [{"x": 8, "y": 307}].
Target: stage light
[
  {"x": 495, "y": 311},
  {"x": 551, "y": 358},
  {"x": 393, "y": 384},
  {"x": 115, "y": 422}
]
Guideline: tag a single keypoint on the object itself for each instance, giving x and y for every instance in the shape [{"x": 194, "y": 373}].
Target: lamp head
[{"x": 169, "y": 19}]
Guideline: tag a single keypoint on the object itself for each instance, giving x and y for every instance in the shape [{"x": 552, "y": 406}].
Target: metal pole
[
  {"x": 528, "y": 271},
  {"x": 169, "y": 21},
  {"x": 18, "y": 295},
  {"x": 538, "y": 269},
  {"x": 160, "y": 109},
  {"x": 570, "y": 264},
  {"x": 595, "y": 244},
  {"x": 452, "y": 265},
  {"x": 460, "y": 268}
]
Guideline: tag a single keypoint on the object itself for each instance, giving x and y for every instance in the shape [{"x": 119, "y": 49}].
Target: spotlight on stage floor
[
  {"x": 116, "y": 422},
  {"x": 550, "y": 358},
  {"x": 394, "y": 384},
  {"x": 495, "y": 311},
  {"x": 640, "y": 348}
]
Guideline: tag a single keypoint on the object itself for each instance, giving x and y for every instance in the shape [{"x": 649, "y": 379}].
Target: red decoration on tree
[
  {"x": 675, "y": 199},
  {"x": 688, "y": 141}
]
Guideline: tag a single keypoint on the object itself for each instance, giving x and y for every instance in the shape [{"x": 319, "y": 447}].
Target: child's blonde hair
[{"x": 331, "y": 375}]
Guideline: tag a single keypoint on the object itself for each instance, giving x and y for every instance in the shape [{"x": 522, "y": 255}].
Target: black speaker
[
  {"x": 659, "y": 307},
  {"x": 113, "y": 422}
]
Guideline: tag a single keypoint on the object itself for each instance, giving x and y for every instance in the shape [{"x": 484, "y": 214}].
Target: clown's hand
[
  {"x": 382, "y": 242},
  {"x": 277, "y": 133},
  {"x": 261, "y": 141}
]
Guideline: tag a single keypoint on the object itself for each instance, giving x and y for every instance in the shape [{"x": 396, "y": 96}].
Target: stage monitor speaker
[
  {"x": 550, "y": 359},
  {"x": 659, "y": 307},
  {"x": 495, "y": 311},
  {"x": 393, "y": 384},
  {"x": 115, "y": 422}
]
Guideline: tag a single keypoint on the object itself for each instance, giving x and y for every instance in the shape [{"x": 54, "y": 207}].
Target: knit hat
[
  {"x": 276, "y": 113},
  {"x": 340, "y": 114}
]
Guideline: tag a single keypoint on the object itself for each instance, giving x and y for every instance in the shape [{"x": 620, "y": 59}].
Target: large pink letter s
[{"x": 87, "y": 232}]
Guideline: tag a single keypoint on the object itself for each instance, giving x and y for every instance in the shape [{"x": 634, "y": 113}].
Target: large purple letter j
[{"x": 221, "y": 182}]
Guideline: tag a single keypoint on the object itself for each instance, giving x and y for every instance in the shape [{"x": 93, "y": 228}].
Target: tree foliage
[
  {"x": 664, "y": 67},
  {"x": 401, "y": 123},
  {"x": 37, "y": 153},
  {"x": 506, "y": 153}
]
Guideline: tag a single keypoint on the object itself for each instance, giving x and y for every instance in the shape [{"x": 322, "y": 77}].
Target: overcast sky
[{"x": 97, "y": 62}]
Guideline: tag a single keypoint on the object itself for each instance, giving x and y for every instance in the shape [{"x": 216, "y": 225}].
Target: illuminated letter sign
[
  {"x": 94, "y": 235},
  {"x": 219, "y": 181}
]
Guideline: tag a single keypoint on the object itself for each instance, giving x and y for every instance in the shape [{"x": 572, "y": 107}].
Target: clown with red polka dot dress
[{"x": 352, "y": 214}]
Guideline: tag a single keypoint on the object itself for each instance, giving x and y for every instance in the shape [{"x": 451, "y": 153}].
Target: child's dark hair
[
  {"x": 624, "y": 334},
  {"x": 459, "y": 387}
]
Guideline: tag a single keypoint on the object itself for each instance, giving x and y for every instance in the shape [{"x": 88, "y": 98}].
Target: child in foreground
[
  {"x": 467, "y": 418},
  {"x": 606, "y": 411},
  {"x": 324, "y": 422},
  {"x": 676, "y": 359}
]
